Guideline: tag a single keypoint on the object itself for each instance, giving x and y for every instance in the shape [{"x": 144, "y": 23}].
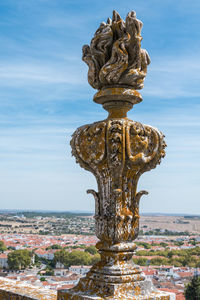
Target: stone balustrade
[{"x": 14, "y": 290}]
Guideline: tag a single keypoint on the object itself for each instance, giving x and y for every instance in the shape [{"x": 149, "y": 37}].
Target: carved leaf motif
[
  {"x": 115, "y": 143},
  {"x": 144, "y": 143},
  {"x": 117, "y": 151},
  {"x": 90, "y": 142}
]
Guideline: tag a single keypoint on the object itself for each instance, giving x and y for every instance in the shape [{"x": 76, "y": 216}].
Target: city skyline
[{"x": 45, "y": 97}]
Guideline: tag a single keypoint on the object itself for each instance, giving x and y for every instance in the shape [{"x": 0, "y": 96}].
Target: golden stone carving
[{"x": 117, "y": 151}]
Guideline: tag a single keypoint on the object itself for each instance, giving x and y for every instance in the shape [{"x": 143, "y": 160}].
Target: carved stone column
[{"x": 117, "y": 151}]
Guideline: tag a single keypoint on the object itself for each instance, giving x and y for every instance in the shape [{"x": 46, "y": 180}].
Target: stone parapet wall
[
  {"x": 159, "y": 295},
  {"x": 14, "y": 290}
]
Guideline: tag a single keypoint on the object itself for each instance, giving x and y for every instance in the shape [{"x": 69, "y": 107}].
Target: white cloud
[
  {"x": 170, "y": 77},
  {"x": 35, "y": 73}
]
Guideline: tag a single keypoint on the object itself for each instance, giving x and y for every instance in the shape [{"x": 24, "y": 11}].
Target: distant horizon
[{"x": 90, "y": 212}]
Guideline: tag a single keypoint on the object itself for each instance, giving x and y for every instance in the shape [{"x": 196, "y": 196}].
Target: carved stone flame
[{"x": 114, "y": 56}]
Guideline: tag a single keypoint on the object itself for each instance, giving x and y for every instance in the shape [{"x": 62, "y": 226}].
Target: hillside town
[{"x": 170, "y": 261}]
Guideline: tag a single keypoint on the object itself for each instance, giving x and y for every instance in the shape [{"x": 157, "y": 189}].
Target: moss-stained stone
[
  {"x": 159, "y": 295},
  {"x": 14, "y": 290}
]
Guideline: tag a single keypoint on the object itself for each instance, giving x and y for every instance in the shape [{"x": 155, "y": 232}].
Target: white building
[
  {"x": 59, "y": 265},
  {"x": 44, "y": 254},
  {"x": 3, "y": 261},
  {"x": 82, "y": 270},
  {"x": 60, "y": 272}
]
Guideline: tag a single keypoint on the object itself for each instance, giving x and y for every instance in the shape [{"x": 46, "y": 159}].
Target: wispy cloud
[
  {"x": 11, "y": 73},
  {"x": 171, "y": 77}
]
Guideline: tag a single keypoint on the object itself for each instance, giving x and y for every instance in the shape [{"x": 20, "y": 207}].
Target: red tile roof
[{"x": 179, "y": 295}]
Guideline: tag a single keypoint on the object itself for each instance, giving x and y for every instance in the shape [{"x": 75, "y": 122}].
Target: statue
[{"x": 117, "y": 151}]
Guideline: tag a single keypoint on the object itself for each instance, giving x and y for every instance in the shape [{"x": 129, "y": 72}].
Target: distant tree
[
  {"x": 179, "y": 243},
  {"x": 192, "y": 290},
  {"x": 61, "y": 256},
  {"x": 49, "y": 271},
  {"x": 78, "y": 258},
  {"x": 72, "y": 258},
  {"x": 80, "y": 246},
  {"x": 37, "y": 261},
  {"x": 163, "y": 244},
  {"x": 154, "y": 244},
  {"x": 193, "y": 242},
  {"x": 170, "y": 254},
  {"x": 146, "y": 245},
  {"x": 143, "y": 253},
  {"x": 19, "y": 259},
  {"x": 43, "y": 279},
  {"x": 2, "y": 246},
  {"x": 157, "y": 261},
  {"x": 91, "y": 249},
  {"x": 174, "y": 262},
  {"x": 55, "y": 246},
  {"x": 150, "y": 232},
  {"x": 195, "y": 251},
  {"x": 141, "y": 261},
  {"x": 187, "y": 260},
  {"x": 95, "y": 258},
  {"x": 11, "y": 248}
]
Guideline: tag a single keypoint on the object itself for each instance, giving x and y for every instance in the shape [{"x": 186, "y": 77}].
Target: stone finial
[
  {"x": 115, "y": 57},
  {"x": 117, "y": 151}
]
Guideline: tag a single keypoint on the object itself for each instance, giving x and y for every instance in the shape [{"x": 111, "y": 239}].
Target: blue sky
[{"x": 44, "y": 97}]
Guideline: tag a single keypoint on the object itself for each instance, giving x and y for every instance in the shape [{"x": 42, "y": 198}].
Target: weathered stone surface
[
  {"x": 117, "y": 151},
  {"x": 14, "y": 290},
  {"x": 71, "y": 295}
]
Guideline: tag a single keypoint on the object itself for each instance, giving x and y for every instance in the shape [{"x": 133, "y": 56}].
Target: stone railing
[{"x": 14, "y": 290}]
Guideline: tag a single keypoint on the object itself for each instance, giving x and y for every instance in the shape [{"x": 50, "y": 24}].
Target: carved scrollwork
[
  {"x": 144, "y": 143},
  {"x": 97, "y": 200},
  {"x": 115, "y": 143},
  {"x": 137, "y": 202},
  {"x": 117, "y": 151}
]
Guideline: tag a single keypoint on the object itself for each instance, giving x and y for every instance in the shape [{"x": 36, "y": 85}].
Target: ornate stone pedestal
[
  {"x": 117, "y": 151},
  {"x": 115, "y": 277}
]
